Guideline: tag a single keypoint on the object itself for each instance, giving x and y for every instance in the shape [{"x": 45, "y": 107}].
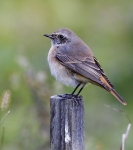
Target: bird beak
[{"x": 48, "y": 35}]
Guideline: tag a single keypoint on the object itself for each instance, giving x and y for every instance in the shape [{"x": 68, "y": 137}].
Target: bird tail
[{"x": 120, "y": 99}]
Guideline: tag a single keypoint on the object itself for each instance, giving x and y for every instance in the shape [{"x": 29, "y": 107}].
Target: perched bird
[{"x": 72, "y": 62}]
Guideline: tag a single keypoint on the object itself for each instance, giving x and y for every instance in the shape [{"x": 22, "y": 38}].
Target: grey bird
[{"x": 72, "y": 62}]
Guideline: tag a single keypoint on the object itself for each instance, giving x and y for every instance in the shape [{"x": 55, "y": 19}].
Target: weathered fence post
[{"x": 66, "y": 122}]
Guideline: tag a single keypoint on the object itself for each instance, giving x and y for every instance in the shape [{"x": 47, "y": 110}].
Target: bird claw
[{"x": 75, "y": 98}]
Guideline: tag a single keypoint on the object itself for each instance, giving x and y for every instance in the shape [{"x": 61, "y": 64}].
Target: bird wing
[{"x": 81, "y": 61}]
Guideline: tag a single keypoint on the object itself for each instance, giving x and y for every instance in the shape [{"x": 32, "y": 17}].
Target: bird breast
[{"x": 60, "y": 72}]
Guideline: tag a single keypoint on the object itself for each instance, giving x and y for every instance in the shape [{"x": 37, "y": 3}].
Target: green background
[{"x": 106, "y": 26}]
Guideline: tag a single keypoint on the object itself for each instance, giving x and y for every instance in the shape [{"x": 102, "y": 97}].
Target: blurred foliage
[{"x": 106, "y": 26}]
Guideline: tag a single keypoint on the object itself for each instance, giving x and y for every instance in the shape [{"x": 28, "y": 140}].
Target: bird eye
[{"x": 61, "y": 36}]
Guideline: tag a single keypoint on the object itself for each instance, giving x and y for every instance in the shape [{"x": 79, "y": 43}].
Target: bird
[{"x": 72, "y": 63}]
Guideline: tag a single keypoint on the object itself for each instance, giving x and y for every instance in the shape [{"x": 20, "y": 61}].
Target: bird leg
[
  {"x": 80, "y": 90},
  {"x": 75, "y": 89}
]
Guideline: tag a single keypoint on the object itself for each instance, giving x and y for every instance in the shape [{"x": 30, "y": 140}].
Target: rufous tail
[
  {"x": 112, "y": 91},
  {"x": 120, "y": 99}
]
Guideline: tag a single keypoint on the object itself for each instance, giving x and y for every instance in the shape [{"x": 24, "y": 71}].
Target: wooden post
[{"x": 66, "y": 122}]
